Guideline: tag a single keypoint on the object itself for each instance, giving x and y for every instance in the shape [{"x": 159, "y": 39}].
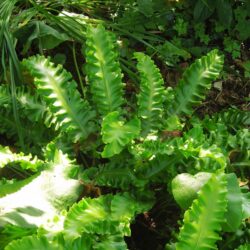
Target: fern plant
[{"x": 128, "y": 153}]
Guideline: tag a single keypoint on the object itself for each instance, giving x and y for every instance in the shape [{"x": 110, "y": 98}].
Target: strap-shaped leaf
[
  {"x": 195, "y": 82},
  {"x": 116, "y": 134},
  {"x": 33, "y": 242},
  {"x": 26, "y": 161},
  {"x": 112, "y": 175},
  {"x": 103, "y": 70},
  {"x": 43, "y": 197},
  {"x": 61, "y": 95},
  {"x": 111, "y": 242},
  {"x": 203, "y": 220},
  {"x": 150, "y": 98},
  {"x": 233, "y": 117},
  {"x": 243, "y": 247},
  {"x": 105, "y": 215},
  {"x": 90, "y": 216},
  {"x": 233, "y": 214}
]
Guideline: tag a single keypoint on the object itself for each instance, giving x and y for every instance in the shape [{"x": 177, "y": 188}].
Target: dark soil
[{"x": 152, "y": 230}]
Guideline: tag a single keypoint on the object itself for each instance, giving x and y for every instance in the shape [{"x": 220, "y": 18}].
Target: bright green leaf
[
  {"x": 117, "y": 134},
  {"x": 234, "y": 207}
]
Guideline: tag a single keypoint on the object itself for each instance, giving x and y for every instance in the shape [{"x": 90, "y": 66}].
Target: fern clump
[{"x": 100, "y": 161}]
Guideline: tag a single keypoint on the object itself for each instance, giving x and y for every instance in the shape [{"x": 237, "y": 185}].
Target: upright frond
[
  {"x": 195, "y": 82},
  {"x": 150, "y": 98},
  {"x": 103, "y": 71},
  {"x": 203, "y": 220},
  {"x": 60, "y": 93}
]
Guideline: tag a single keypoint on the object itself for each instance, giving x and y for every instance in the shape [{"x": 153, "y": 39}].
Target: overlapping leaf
[
  {"x": 105, "y": 215},
  {"x": 116, "y": 134},
  {"x": 234, "y": 213},
  {"x": 43, "y": 197},
  {"x": 33, "y": 242}
]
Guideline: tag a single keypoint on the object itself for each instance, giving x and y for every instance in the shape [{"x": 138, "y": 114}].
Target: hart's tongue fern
[{"x": 138, "y": 156}]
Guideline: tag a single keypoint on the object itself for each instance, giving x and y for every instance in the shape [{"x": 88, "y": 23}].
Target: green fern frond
[
  {"x": 150, "y": 98},
  {"x": 5, "y": 98},
  {"x": 33, "y": 242},
  {"x": 111, "y": 242},
  {"x": 90, "y": 216},
  {"x": 105, "y": 215},
  {"x": 44, "y": 197},
  {"x": 26, "y": 161},
  {"x": 116, "y": 135},
  {"x": 203, "y": 220},
  {"x": 195, "y": 82},
  {"x": 60, "y": 93},
  {"x": 41, "y": 242},
  {"x": 150, "y": 148},
  {"x": 34, "y": 116},
  {"x": 115, "y": 175},
  {"x": 10, "y": 233},
  {"x": 30, "y": 105},
  {"x": 103, "y": 71},
  {"x": 234, "y": 118},
  {"x": 34, "y": 108},
  {"x": 243, "y": 247},
  {"x": 7, "y": 125},
  {"x": 153, "y": 170},
  {"x": 36, "y": 134}
]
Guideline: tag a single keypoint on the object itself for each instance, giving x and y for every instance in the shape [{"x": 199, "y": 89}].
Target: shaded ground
[{"x": 152, "y": 230}]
